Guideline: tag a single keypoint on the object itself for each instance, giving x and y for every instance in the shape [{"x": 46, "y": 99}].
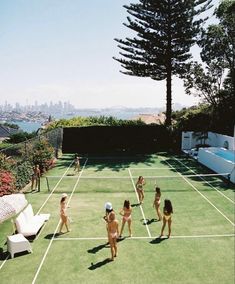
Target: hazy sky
[{"x": 54, "y": 50}]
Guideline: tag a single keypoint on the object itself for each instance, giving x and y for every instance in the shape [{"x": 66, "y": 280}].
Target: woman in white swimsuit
[
  {"x": 167, "y": 215},
  {"x": 113, "y": 234},
  {"x": 126, "y": 216}
]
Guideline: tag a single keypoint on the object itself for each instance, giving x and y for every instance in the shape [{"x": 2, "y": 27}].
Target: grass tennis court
[{"x": 200, "y": 250}]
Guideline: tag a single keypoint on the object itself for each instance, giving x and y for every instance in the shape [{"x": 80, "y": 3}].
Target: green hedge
[{"x": 23, "y": 173}]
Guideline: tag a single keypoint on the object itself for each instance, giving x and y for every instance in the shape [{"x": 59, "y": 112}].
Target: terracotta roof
[{"x": 151, "y": 118}]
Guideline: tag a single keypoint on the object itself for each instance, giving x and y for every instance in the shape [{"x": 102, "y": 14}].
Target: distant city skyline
[{"x": 62, "y": 51}]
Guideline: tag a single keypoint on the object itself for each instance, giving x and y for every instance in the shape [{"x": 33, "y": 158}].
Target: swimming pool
[
  {"x": 219, "y": 160},
  {"x": 225, "y": 154}
]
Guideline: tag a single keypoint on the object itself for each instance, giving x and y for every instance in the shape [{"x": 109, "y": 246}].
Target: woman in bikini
[
  {"x": 157, "y": 201},
  {"x": 126, "y": 213},
  {"x": 167, "y": 213},
  {"x": 140, "y": 188},
  {"x": 63, "y": 213},
  {"x": 36, "y": 177},
  {"x": 113, "y": 234},
  {"x": 76, "y": 164}
]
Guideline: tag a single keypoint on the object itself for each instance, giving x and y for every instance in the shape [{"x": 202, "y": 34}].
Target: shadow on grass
[
  {"x": 50, "y": 236},
  {"x": 135, "y": 205},
  {"x": 158, "y": 240},
  {"x": 3, "y": 254},
  {"x": 97, "y": 248},
  {"x": 120, "y": 239},
  {"x": 148, "y": 221},
  {"x": 99, "y": 264},
  {"x": 119, "y": 162}
]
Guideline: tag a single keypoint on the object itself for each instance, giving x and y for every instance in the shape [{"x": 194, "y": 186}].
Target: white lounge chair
[{"x": 29, "y": 224}]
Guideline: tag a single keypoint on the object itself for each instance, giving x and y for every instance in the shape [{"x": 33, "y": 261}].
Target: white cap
[
  {"x": 64, "y": 194},
  {"x": 108, "y": 206}
]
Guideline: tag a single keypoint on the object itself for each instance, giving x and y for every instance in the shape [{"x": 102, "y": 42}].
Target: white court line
[
  {"x": 54, "y": 188},
  {"x": 201, "y": 194},
  {"x": 124, "y": 168},
  {"x": 150, "y": 168},
  {"x": 151, "y": 177},
  {"x": 140, "y": 238},
  {"x": 201, "y": 177},
  {"x": 53, "y": 237},
  {"x": 142, "y": 211},
  {"x": 4, "y": 262}
]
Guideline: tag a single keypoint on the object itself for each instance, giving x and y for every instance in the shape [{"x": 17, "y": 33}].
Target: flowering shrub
[
  {"x": 7, "y": 182},
  {"x": 14, "y": 175}
]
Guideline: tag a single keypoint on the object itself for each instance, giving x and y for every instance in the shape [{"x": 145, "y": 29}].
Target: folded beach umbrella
[{"x": 11, "y": 205}]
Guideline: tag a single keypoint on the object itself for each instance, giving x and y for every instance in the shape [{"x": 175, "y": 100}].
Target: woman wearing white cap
[
  {"x": 108, "y": 209},
  {"x": 63, "y": 213}
]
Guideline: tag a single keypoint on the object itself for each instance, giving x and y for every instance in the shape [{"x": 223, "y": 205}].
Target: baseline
[
  {"x": 140, "y": 238},
  {"x": 150, "y": 177}
]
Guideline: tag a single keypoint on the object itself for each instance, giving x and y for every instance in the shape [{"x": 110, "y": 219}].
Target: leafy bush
[
  {"x": 6, "y": 163},
  {"x": 23, "y": 173},
  {"x": 7, "y": 182},
  {"x": 20, "y": 137},
  {"x": 42, "y": 154}
]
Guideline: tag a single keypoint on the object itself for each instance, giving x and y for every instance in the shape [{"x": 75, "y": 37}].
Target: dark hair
[
  {"x": 108, "y": 210},
  {"x": 168, "y": 206},
  {"x": 139, "y": 178},
  {"x": 126, "y": 204},
  {"x": 158, "y": 190},
  {"x": 63, "y": 199}
]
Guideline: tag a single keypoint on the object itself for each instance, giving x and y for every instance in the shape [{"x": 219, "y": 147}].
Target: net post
[{"x": 48, "y": 187}]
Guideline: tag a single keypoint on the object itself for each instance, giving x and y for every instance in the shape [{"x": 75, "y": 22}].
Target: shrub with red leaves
[{"x": 7, "y": 182}]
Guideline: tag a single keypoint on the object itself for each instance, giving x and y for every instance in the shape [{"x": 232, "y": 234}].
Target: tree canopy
[
  {"x": 218, "y": 55},
  {"x": 166, "y": 30}
]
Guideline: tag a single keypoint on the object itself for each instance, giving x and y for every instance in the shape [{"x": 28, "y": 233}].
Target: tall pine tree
[{"x": 166, "y": 30}]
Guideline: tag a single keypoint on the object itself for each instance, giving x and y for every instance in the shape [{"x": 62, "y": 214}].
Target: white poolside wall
[
  {"x": 219, "y": 165},
  {"x": 214, "y": 140}
]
